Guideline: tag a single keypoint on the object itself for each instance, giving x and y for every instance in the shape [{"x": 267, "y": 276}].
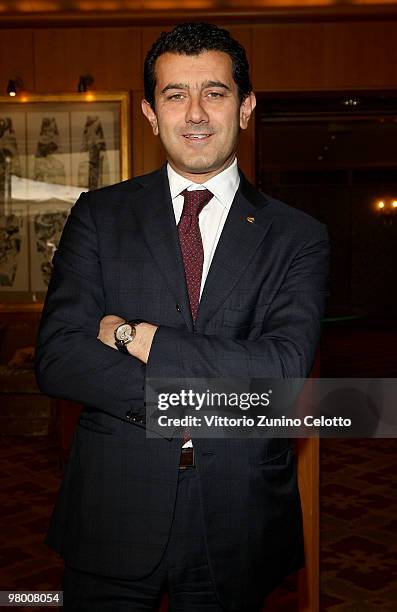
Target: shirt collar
[{"x": 223, "y": 185}]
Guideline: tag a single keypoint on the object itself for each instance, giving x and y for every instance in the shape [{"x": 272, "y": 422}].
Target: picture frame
[{"x": 53, "y": 147}]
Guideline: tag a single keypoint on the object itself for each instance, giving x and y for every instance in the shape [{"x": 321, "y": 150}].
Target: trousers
[{"x": 183, "y": 570}]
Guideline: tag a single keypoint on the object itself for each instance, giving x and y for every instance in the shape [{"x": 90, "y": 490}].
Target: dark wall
[{"x": 323, "y": 53}]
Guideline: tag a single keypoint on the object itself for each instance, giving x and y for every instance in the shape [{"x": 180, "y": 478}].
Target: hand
[
  {"x": 107, "y": 328},
  {"x": 141, "y": 344}
]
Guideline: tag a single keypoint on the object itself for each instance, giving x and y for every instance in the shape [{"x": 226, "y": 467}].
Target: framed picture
[{"x": 52, "y": 148}]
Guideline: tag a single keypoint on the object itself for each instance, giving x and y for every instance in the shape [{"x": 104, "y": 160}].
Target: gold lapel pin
[{"x": 250, "y": 219}]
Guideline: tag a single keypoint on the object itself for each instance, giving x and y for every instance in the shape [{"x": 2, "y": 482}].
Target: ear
[
  {"x": 246, "y": 108},
  {"x": 150, "y": 116}
]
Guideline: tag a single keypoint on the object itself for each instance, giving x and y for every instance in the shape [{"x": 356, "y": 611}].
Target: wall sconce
[
  {"x": 85, "y": 82},
  {"x": 14, "y": 85},
  {"x": 386, "y": 209}
]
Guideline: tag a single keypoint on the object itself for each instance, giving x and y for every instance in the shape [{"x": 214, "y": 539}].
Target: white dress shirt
[{"x": 213, "y": 216}]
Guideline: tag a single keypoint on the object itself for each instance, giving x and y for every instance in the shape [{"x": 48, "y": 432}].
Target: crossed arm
[
  {"x": 77, "y": 358},
  {"x": 139, "y": 347}
]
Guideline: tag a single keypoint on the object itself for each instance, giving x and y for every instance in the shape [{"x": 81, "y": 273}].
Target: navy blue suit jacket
[{"x": 259, "y": 316}]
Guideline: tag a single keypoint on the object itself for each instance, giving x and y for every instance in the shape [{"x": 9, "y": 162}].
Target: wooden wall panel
[
  {"x": 283, "y": 56},
  {"x": 152, "y": 151},
  {"x": 147, "y": 151},
  {"x": 246, "y": 149},
  {"x": 111, "y": 55},
  {"x": 364, "y": 55},
  {"x": 242, "y": 33},
  {"x": 137, "y": 139},
  {"x": 16, "y": 58},
  {"x": 321, "y": 56},
  {"x": 308, "y": 458},
  {"x": 149, "y": 35}
]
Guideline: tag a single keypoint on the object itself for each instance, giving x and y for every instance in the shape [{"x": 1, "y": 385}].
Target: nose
[{"x": 195, "y": 112}]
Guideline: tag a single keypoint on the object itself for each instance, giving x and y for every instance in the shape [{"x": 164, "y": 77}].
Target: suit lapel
[
  {"x": 244, "y": 230},
  {"x": 238, "y": 242},
  {"x": 154, "y": 208}
]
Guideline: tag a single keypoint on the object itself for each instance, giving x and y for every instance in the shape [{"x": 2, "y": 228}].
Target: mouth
[{"x": 197, "y": 137}]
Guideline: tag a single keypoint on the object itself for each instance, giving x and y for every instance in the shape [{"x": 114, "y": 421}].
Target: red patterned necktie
[
  {"x": 192, "y": 250},
  {"x": 191, "y": 243}
]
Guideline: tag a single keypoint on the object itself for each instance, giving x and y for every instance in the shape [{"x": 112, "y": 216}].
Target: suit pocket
[
  {"x": 95, "y": 425},
  {"x": 274, "y": 484},
  {"x": 279, "y": 462},
  {"x": 279, "y": 474}
]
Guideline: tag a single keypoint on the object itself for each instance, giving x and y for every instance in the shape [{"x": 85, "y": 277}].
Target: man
[{"x": 215, "y": 279}]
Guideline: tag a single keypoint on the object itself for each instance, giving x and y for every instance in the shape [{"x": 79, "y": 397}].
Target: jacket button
[{"x": 178, "y": 307}]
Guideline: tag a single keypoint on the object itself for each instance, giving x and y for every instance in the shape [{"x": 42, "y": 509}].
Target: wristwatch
[{"x": 125, "y": 333}]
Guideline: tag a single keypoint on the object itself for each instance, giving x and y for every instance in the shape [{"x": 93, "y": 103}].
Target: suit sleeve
[
  {"x": 71, "y": 363},
  {"x": 286, "y": 346}
]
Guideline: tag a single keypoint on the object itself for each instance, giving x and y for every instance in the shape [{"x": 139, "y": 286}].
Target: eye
[
  {"x": 176, "y": 96},
  {"x": 215, "y": 94}
]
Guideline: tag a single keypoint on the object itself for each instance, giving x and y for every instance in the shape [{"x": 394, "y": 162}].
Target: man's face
[{"x": 197, "y": 112}]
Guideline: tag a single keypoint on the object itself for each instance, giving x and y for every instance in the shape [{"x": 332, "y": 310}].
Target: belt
[{"x": 187, "y": 458}]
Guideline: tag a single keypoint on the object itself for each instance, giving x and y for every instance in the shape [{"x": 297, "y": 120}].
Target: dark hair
[{"x": 193, "y": 39}]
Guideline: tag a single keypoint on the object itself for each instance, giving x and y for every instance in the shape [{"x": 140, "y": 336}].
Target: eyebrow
[{"x": 203, "y": 86}]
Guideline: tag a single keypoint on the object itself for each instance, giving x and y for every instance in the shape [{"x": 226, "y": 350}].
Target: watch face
[{"x": 124, "y": 332}]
